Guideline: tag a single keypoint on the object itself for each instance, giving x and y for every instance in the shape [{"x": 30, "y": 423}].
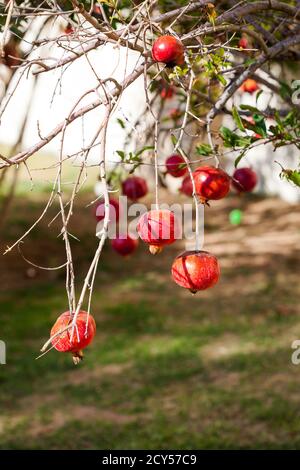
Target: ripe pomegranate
[
  {"x": 195, "y": 270},
  {"x": 211, "y": 183},
  {"x": 169, "y": 50},
  {"x": 134, "y": 187},
  {"x": 114, "y": 210},
  {"x": 244, "y": 180},
  {"x": 167, "y": 92},
  {"x": 124, "y": 244},
  {"x": 157, "y": 228},
  {"x": 176, "y": 166},
  {"x": 187, "y": 186},
  {"x": 249, "y": 86},
  {"x": 83, "y": 334},
  {"x": 243, "y": 43}
]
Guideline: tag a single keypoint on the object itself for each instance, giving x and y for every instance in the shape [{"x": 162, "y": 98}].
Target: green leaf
[
  {"x": 121, "y": 123},
  {"x": 247, "y": 107},
  {"x": 148, "y": 147},
  {"x": 258, "y": 95},
  {"x": 121, "y": 154},
  {"x": 221, "y": 79},
  {"x": 237, "y": 119},
  {"x": 204, "y": 149}
]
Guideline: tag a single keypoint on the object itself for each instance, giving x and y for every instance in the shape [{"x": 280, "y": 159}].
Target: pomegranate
[
  {"x": 249, "y": 86},
  {"x": 167, "y": 92},
  {"x": 69, "y": 29},
  {"x": 114, "y": 210},
  {"x": 244, "y": 180},
  {"x": 134, "y": 187},
  {"x": 169, "y": 50},
  {"x": 187, "y": 186},
  {"x": 196, "y": 270},
  {"x": 124, "y": 244},
  {"x": 243, "y": 43},
  {"x": 211, "y": 183},
  {"x": 176, "y": 166},
  {"x": 76, "y": 340},
  {"x": 157, "y": 228}
]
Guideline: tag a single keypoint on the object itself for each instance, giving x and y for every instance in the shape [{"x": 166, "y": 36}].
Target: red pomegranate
[
  {"x": 69, "y": 29},
  {"x": 124, "y": 244},
  {"x": 211, "y": 183},
  {"x": 134, "y": 187},
  {"x": 196, "y": 270},
  {"x": 176, "y": 166},
  {"x": 114, "y": 210},
  {"x": 243, "y": 43},
  {"x": 157, "y": 228},
  {"x": 249, "y": 86},
  {"x": 169, "y": 50},
  {"x": 167, "y": 92},
  {"x": 82, "y": 335},
  {"x": 244, "y": 180},
  {"x": 187, "y": 186}
]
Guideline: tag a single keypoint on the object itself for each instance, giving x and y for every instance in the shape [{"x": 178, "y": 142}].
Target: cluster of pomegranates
[
  {"x": 193, "y": 270},
  {"x": 210, "y": 183}
]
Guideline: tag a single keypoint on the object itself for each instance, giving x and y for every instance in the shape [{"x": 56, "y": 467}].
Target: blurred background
[{"x": 166, "y": 369}]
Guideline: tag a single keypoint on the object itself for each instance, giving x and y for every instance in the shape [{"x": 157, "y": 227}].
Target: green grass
[{"x": 167, "y": 369}]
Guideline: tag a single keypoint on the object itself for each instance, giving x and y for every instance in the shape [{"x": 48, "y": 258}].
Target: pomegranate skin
[
  {"x": 125, "y": 245},
  {"x": 114, "y": 210},
  {"x": 83, "y": 334},
  {"x": 244, "y": 180},
  {"x": 187, "y": 186},
  {"x": 169, "y": 50},
  {"x": 249, "y": 86},
  {"x": 195, "y": 270},
  {"x": 134, "y": 187},
  {"x": 176, "y": 166},
  {"x": 211, "y": 183},
  {"x": 157, "y": 228}
]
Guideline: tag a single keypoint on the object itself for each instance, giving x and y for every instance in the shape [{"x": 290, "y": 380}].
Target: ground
[{"x": 167, "y": 369}]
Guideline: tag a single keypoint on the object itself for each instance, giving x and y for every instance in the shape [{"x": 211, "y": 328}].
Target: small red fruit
[
  {"x": 196, "y": 270},
  {"x": 69, "y": 29},
  {"x": 169, "y": 50},
  {"x": 124, "y": 244},
  {"x": 157, "y": 228},
  {"x": 211, "y": 183},
  {"x": 76, "y": 340},
  {"x": 244, "y": 180},
  {"x": 176, "y": 166},
  {"x": 243, "y": 43},
  {"x": 167, "y": 92},
  {"x": 134, "y": 187},
  {"x": 187, "y": 186},
  {"x": 114, "y": 210},
  {"x": 249, "y": 86}
]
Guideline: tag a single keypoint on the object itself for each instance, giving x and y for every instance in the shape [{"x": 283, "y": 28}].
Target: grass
[{"x": 167, "y": 369}]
